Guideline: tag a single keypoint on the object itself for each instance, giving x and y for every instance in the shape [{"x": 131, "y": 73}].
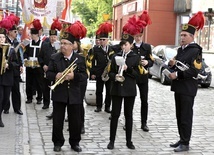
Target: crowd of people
[{"x": 67, "y": 69}]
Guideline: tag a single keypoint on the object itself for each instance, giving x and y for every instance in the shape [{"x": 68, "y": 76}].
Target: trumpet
[
  {"x": 71, "y": 67},
  {"x": 181, "y": 65},
  {"x": 119, "y": 77}
]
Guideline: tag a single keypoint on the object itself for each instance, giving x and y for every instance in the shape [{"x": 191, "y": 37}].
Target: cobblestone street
[{"x": 31, "y": 133}]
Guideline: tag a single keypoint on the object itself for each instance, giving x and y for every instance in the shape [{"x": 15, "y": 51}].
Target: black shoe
[
  {"x": 83, "y": 129},
  {"x": 130, "y": 145},
  {"x": 28, "y": 101},
  {"x": 19, "y": 112},
  {"x": 50, "y": 116},
  {"x": 39, "y": 102},
  {"x": 175, "y": 144},
  {"x": 181, "y": 148},
  {"x": 97, "y": 110},
  {"x": 6, "y": 111},
  {"x": 110, "y": 145},
  {"x": 45, "y": 107},
  {"x": 57, "y": 148},
  {"x": 1, "y": 123},
  {"x": 76, "y": 148},
  {"x": 145, "y": 128},
  {"x": 107, "y": 110}
]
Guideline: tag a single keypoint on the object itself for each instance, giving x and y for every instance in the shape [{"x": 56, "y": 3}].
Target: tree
[{"x": 91, "y": 13}]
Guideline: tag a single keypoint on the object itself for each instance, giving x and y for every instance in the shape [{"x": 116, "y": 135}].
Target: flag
[
  {"x": 66, "y": 13},
  {"x": 44, "y": 10}
]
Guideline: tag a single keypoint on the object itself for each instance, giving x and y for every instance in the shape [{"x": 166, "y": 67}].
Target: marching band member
[
  {"x": 15, "y": 59},
  {"x": 61, "y": 69},
  {"x": 144, "y": 51},
  {"x": 184, "y": 82},
  {"x": 47, "y": 49},
  {"x": 34, "y": 71},
  {"x": 101, "y": 57},
  {"x": 6, "y": 75},
  {"x": 123, "y": 77}
]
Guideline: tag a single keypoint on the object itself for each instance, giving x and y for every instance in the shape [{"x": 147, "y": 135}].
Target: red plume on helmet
[
  {"x": 77, "y": 29},
  {"x": 6, "y": 23},
  {"x": 36, "y": 24},
  {"x": 145, "y": 17},
  {"x": 15, "y": 19},
  {"x": 104, "y": 29},
  {"x": 133, "y": 26},
  {"x": 56, "y": 25},
  {"x": 197, "y": 21}
]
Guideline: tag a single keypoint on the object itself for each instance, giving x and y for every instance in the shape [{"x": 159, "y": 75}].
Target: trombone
[{"x": 71, "y": 67}]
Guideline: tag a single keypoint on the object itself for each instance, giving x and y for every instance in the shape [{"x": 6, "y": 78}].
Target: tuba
[
  {"x": 105, "y": 76},
  {"x": 4, "y": 49},
  {"x": 71, "y": 67}
]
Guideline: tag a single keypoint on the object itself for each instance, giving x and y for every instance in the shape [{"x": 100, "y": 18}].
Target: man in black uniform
[
  {"x": 45, "y": 53},
  {"x": 67, "y": 94},
  {"x": 100, "y": 62},
  {"x": 144, "y": 51},
  {"x": 35, "y": 71},
  {"x": 184, "y": 80},
  {"x": 15, "y": 59}
]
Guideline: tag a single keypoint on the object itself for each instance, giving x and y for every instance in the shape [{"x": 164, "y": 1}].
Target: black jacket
[
  {"x": 14, "y": 57},
  {"x": 45, "y": 53},
  {"x": 68, "y": 91},
  {"x": 144, "y": 50},
  {"x": 100, "y": 60},
  {"x": 128, "y": 86},
  {"x": 185, "y": 82}
]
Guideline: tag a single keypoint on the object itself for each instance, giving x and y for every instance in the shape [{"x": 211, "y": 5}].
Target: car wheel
[
  {"x": 205, "y": 85},
  {"x": 163, "y": 78}
]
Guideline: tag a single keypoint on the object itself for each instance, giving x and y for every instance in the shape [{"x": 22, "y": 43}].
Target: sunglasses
[{"x": 102, "y": 39}]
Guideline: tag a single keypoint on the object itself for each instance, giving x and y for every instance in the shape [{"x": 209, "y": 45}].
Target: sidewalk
[{"x": 30, "y": 134}]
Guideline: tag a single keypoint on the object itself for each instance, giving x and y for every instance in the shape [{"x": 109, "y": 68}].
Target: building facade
[{"x": 167, "y": 17}]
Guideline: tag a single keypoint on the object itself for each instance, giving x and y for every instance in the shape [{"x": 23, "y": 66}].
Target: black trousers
[
  {"x": 184, "y": 114},
  {"x": 74, "y": 123},
  {"x": 15, "y": 96},
  {"x": 128, "y": 113},
  {"x": 143, "y": 88},
  {"x": 46, "y": 91},
  {"x": 99, "y": 92},
  {"x": 31, "y": 75},
  {"x": 4, "y": 97},
  {"x": 83, "y": 86}
]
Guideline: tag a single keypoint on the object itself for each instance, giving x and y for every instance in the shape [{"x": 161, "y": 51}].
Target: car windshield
[{"x": 170, "y": 53}]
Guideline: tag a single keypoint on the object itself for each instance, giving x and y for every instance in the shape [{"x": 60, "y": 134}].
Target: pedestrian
[
  {"x": 15, "y": 59},
  {"x": 34, "y": 72},
  {"x": 123, "y": 77},
  {"x": 47, "y": 49},
  {"x": 67, "y": 93},
  {"x": 101, "y": 59},
  {"x": 184, "y": 80},
  {"x": 145, "y": 53}
]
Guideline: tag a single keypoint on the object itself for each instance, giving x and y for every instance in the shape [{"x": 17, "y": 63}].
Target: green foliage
[{"x": 91, "y": 13}]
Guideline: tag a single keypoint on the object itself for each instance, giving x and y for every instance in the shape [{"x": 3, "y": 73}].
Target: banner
[
  {"x": 66, "y": 13},
  {"x": 45, "y": 10}
]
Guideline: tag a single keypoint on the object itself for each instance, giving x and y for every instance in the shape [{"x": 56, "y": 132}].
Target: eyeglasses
[
  {"x": 102, "y": 39},
  {"x": 62, "y": 43}
]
